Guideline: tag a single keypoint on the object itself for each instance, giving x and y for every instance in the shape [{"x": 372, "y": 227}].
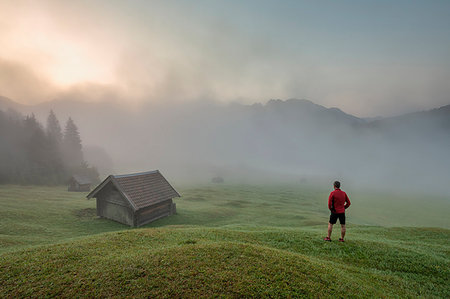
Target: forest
[{"x": 33, "y": 154}]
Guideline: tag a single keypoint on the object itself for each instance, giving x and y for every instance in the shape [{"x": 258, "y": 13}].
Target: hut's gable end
[
  {"x": 112, "y": 205},
  {"x": 109, "y": 193},
  {"x": 115, "y": 212}
]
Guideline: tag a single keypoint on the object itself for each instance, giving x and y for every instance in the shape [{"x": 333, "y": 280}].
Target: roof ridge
[{"x": 135, "y": 174}]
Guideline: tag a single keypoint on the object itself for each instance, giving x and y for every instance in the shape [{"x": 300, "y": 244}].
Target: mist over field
[
  {"x": 290, "y": 141},
  {"x": 186, "y": 88}
]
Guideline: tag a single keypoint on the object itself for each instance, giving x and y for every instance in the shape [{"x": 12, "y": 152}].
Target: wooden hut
[
  {"x": 79, "y": 183},
  {"x": 135, "y": 199},
  {"x": 217, "y": 180}
]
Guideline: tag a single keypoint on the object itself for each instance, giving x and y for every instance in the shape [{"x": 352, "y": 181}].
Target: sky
[{"x": 369, "y": 58}]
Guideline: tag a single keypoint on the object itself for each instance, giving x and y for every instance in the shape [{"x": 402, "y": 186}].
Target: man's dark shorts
[{"x": 334, "y": 218}]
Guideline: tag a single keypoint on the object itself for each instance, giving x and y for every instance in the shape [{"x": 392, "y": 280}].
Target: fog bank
[{"x": 279, "y": 141}]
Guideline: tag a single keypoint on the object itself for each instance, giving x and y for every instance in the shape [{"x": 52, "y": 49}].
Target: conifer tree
[
  {"x": 54, "y": 137},
  {"x": 72, "y": 148},
  {"x": 54, "y": 132},
  {"x": 36, "y": 151},
  {"x": 31, "y": 155}
]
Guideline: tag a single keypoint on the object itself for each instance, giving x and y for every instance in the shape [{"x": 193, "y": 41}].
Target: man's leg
[
  {"x": 343, "y": 231},
  {"x": 330, "y": 229}
]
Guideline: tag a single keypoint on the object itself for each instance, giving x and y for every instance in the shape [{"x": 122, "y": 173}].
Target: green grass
[
  {"x": 32, "y": 215},
  {"x": 226, "y": 240},
  {"x": 298, "y": 206},
  {"x": 195, "y": 262}
]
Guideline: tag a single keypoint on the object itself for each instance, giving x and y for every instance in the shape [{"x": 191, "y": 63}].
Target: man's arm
[
  {"x": 330, "y": 201},
  {"x": 347, "y": 201}
]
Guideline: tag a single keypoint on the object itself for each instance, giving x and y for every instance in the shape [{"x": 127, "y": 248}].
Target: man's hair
[{"x": 337, "y": 184}]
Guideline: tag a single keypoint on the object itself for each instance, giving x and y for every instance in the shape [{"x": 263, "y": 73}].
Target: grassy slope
[
  {"x": 212, "y": 261},
  {"x": 233, "y": 240},
  {"x": 31, "y": 215}
]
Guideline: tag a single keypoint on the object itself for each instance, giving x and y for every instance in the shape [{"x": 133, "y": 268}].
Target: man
[{"x": 338, "y": 202}]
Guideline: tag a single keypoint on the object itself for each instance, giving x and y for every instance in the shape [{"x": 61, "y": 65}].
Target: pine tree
[
  {"x": 71, "y": 145},
  {"x": 54, "y": 132},
  {"x": 31, "y": 155},
  {"x": 54, "y": 137},
  {"x": 35, "y": 146}
]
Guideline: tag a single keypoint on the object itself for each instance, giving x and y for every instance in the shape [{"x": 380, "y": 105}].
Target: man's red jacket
[{"x": 339, "y": 200}]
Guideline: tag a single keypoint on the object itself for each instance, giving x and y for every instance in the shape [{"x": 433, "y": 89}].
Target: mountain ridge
[
  {"x": 305, "y": 104},
  {"x": 200, "y": 140},
  {"x": 291, "y": 103}
]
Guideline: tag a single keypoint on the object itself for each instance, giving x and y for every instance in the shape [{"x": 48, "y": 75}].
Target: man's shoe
[
  {"x": 327, "y": 239},
  {"x": 341, "y": 240}
]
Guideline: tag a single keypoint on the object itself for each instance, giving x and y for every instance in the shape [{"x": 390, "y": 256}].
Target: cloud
[
  {"x": 165, "y": 51},
  {"x": 19, "y": 82}
]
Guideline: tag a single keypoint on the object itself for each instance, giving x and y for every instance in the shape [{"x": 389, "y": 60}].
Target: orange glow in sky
[
  {"x": 64, "y": 58},
  {"x": 336, "y": 54}
]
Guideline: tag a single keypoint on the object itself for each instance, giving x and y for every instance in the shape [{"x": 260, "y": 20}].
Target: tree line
[{"x": 33, "y": 154}]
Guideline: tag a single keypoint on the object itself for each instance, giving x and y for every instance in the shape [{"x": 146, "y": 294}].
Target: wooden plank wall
[{"x": 154, "y": 212}]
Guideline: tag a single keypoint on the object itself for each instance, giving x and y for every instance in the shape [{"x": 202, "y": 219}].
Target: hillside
[
  {"x": 32, "y": 215},
  {"x": 231, "y": 240},
  {"x": 193, "y": 262}
]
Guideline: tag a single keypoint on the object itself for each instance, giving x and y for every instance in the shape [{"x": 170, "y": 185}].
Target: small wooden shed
[
  {"x": 78, "y": 183},
  {"x": 135, "y": 199}
]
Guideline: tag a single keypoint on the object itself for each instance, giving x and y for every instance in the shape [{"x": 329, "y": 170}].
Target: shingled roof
[{"x": 140, "y": 189}]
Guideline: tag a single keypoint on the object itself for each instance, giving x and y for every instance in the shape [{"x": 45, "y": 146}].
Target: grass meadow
[{"x": 225, "y": 240}]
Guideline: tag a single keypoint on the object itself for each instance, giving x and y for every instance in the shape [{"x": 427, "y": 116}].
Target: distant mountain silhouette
[
  {"x": 7, "y": 103},
  {"x": 299, "y": 110},
  {"x": 307, "y": 109},
  {"x": 438, "y": 116},
  {"x": 296, "y": 137},
  {"x": 427, "y": 125}
]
